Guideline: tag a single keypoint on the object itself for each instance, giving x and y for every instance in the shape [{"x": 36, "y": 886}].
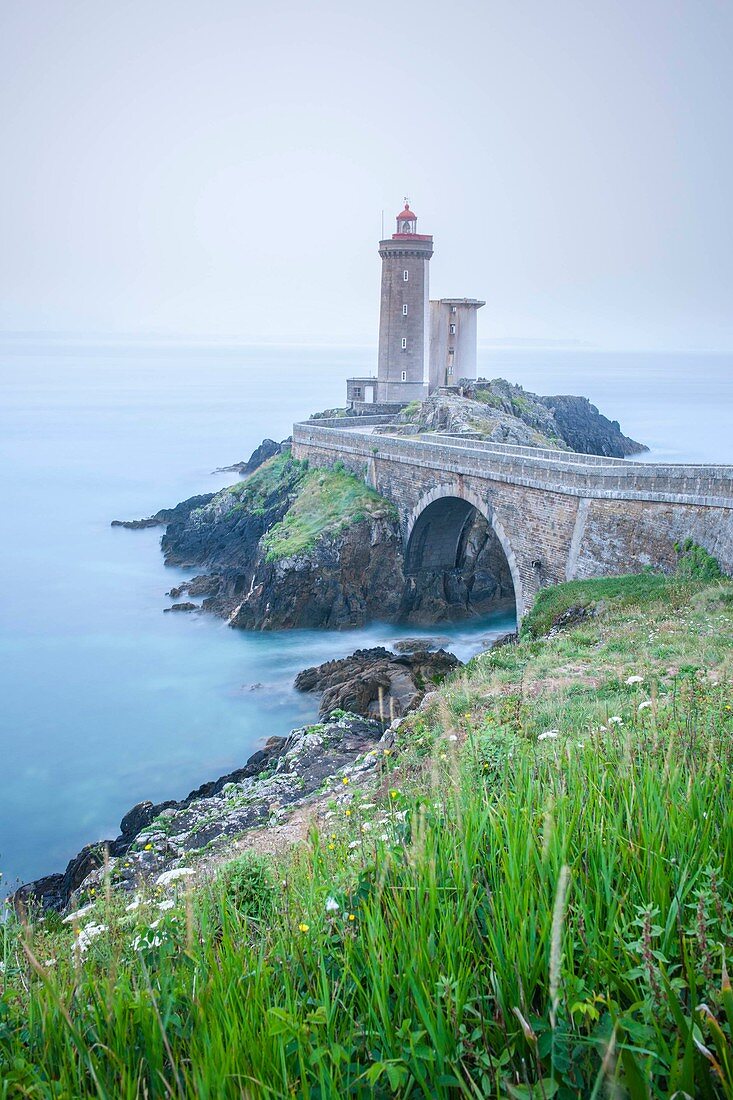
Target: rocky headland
[
  {"x": 501, "y": 412},
  {"x": 288, "y": 546}
]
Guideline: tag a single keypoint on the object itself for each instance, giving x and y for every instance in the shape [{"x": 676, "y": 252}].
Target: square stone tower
[
  {"x": 452, "y": 340},
  {"x": 404, "y": 320}
]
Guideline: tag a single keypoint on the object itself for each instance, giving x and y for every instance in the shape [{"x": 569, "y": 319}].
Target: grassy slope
[
  {"x": 281, "y": 472},
  {"x": 519, "y": 915},
  {"x": 328, "y": 501},
  {"x": 323, "y": 502}
]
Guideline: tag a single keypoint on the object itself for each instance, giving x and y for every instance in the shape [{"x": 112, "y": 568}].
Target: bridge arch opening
[{"x": 456, "y": 564}]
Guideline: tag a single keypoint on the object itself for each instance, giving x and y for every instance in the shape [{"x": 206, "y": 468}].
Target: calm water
[{"x": 105, "y": 700}]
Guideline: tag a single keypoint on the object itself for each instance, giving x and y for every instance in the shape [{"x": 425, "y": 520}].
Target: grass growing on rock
[
  {"x": 280, "y": 471},
  {"x": 328, "y": 500},
  {"x": 533, "y": 900}
]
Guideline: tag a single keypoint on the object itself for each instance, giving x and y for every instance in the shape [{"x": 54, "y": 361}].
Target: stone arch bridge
[{"x": 557, "y": 515}]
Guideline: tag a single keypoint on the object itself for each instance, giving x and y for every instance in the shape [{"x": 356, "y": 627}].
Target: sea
[{"x": 104, "y": 699}]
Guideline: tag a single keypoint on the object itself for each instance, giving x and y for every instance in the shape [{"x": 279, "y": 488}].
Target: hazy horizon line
[{"x": 517, "y": 343}]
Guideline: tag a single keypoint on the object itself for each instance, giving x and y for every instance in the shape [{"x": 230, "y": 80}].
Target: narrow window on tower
[
  {"x": 404, "y": 343},
  {"x": 404, "y": 310},
  {"x": 454, "y": 309},
  {"x": 452, "y": 329},
  {"x": 404, "y": 376},
  {"x": 405, "y": 275}
]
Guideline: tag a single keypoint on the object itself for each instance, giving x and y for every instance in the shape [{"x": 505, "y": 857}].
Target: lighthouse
[
  {"x": 423, "y": 345},
  {"x": 404, "y": 314}
]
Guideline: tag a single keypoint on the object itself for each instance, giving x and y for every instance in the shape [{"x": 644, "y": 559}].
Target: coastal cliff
[{"x": 293, "y": 546}]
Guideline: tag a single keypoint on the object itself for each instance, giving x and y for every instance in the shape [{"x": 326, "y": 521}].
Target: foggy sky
[{"x": 219, "y": 167}]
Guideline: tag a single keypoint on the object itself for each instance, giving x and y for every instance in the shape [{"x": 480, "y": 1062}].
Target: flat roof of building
[{"x": 460, "y": 302}]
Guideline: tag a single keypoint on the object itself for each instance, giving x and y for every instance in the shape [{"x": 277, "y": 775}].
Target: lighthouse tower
[{"x": 404, "y": 316}]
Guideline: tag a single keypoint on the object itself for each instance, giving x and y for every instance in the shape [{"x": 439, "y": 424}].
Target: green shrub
[
  {"x": 248, "y": 883},
  {"x": 694, "y": 562}
]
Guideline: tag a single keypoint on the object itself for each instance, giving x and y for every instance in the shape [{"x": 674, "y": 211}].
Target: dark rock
[
  {"x": 166, "y": 515},
  {"x": 266, "y": 449},
  {"x": 203, "y": 585},
  {"x": 579, "y": 613},
  {"x": 417, "y": 645},
  {"x": 586, "y": 430},
  {"x": 183, "y": 607},
  {"x": 375, "y": 682},
  {"x": 139, "y": 817},
  {"x": 346, "y": 580}
]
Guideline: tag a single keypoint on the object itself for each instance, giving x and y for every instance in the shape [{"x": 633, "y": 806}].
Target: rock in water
[{"x": 375, "y": 682}]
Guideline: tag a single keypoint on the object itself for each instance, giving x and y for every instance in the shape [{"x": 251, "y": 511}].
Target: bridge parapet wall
[{"x": 559, "y": 471}]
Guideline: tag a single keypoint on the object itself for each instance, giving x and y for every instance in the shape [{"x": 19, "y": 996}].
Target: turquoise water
[{"x": 105, "y": 700}]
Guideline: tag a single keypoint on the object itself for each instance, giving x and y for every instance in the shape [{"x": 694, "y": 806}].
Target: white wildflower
[
  {"x": 354, "y": 844},
  {"x": 167, "y": 904},
  {"x": 134, "y": 904},
  {"x": 453, "y": 737},
  {"x": 615, "y": 720},
  {"x": 645, "y": 704},
  {"x": 167, "y": 877},
  {"x": 635, "y": 680},
  {"x": 549, "y": 735},
  {"x": 85, "y": 937},
  {"x": 332, "y": 905},
  {"x": 72, "y": 917}
]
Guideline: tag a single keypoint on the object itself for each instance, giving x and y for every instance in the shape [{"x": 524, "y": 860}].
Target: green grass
[
  {"x": 525, "y": 916},
  {"x": 328, "y": 500},
  {"x": 487, "y": 397},
  {"x": 280, "y": 472},
  {"x": 694, "y": 565},
  {"x": 551, "y": 603},
  {"x": 412, "y": 410}
]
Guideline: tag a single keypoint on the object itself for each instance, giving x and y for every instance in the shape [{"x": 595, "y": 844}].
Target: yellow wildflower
[{"x": 303, "y": 927}]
